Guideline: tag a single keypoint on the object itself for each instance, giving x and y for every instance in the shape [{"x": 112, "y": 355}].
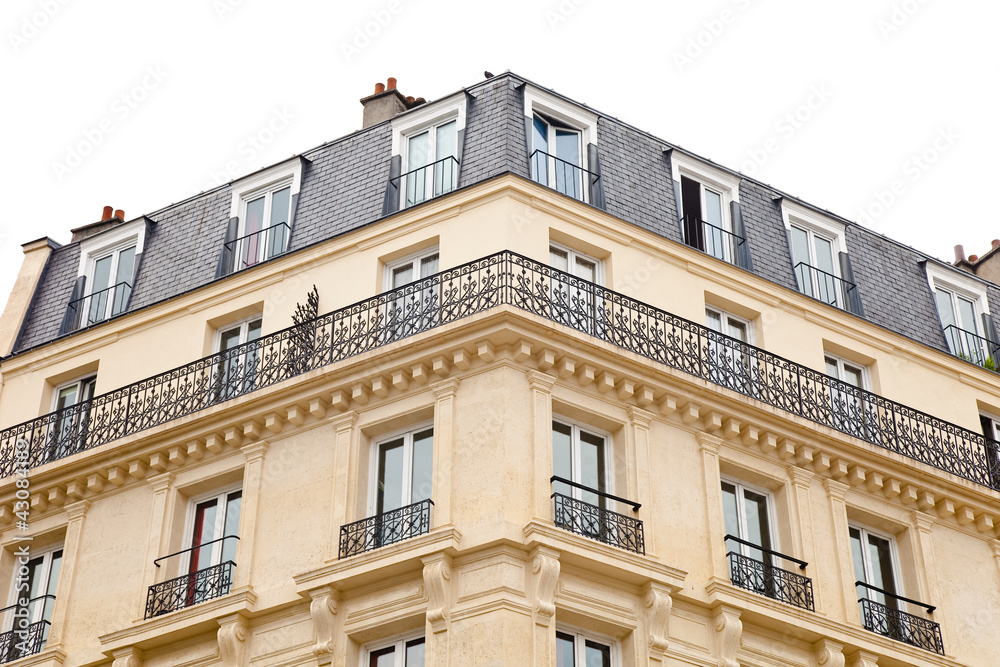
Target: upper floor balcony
[{"x": 253, "y": 248}]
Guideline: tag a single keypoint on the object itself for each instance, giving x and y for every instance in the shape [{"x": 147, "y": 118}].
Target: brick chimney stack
[{"x": 385, "y": 103}]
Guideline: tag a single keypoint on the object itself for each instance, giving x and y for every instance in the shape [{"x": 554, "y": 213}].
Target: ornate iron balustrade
[
  {"x": 827, "y": 287},
  {"x": 715, "y": 241},
  {"x": 252, "y": 249},
  {"x": 569, "y": 179},
  {"x": 899, "y": 625},
  {"x": 385, "y": 529},
  {"x": 764, "y": 578},
  {"x": 25, "y": 637},
  {"x": 507, "y": 278},
  {"x": 972, "y": 347},
  {"x": 432, "y": 180},
  {"x": 596, "y": 522},
  {"x": 189, "y": 589},
  {"x": 94, "y": 308}
]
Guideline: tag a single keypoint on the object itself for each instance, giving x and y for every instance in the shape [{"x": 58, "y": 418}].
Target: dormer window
[{"x": 963, "y": 309}]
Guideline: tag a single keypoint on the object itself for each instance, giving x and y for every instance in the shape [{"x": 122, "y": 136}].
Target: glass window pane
[
  {"x": 586, "y": 269},
  {"x": 540, "y": 142},
  {"x": 737, "y": 330},
  {"x": 824, "y": 254},
  {"x": 429, "y": 266},
  {"x": 880, "y": 555},
  {"x": 384, "y": 658},
  {"x": 402, "y": 275},
  {"x": 389, "y": 494},
  {"x": 253, "y": 331},
  {"x": 568, "y": 147},
  {"x": 559, "y": 259},
  {"x": 800, "y": 255},
  {"x": 713, "y": 320},
  {"x": 229, "y": 339},
  {"x": 50, "y": 589},
  {"x": 852, "y": 376},
  {"x": 447, "y": 138},
  {"x": 713, "y": 208},
  {"x": 423, "y": 466},
  {"x": 204, "y": 531},
  {"x": 280, "y": 201},
  {"x": 67, "y": 397},
  {"x": 832, "y": 369},
  {"x": 255, "y": 216},
  {"x": 730, "y": 510},
  {"x": 415, "y": 653},
  {"x": 591, "y": 467},
  {"x": 102, "y": 274},
  {"x": 126, "y": 262},
  {"x": 418, "y": 151},
  {"x": 562, "y": 456},
  {"x": 758, "y": 523},
  {"x": 231, "y": 525},
  {"x": 564, "y": 650},
  {"x": 597, "y": 655},
  {"x": 945, "y": 311},
  {"x": 967, "y": 315}
]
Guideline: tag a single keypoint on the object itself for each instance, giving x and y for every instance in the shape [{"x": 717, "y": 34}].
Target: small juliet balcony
[
  {"x": 97, "y": 307},
  {"x": 828, "y": 288},
  {"x": 885, "y": 618},
  {"x": 716, "y": 241},
  {"x": 193, "y": 588},
  {"x": 423, "y": 183},
  {"x": 255, "y": 248},
  {"x": 761, "y": 576},
  {"x": 29, "y": 628},
  {"x": 972, "y": 347},
  {"x": 562, "y": 176},
  {"x": 596, "y": 521},
  {"x": 384, "y": 529}
]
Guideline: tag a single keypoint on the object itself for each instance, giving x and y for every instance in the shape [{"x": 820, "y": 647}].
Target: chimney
[
  {"x": 110, "y": 218},
  {"x": 107, "y": 213},
  {"x": 959, "y": 254},
  {"x": 383, "y": 104},
  {"x": 120, "y": 214}
]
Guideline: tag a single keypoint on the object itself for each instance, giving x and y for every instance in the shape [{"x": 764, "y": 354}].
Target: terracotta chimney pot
[
  {"x": 120, "y": 214},
  {"x": 379, "y": 88},
  {"x": 409, "y": 99},
  {"x": 390, "y": 83},
  {"x": 108, "y": 212},
  {"x": 995, "y": 243},
  {"x": 973, "y": 258}
]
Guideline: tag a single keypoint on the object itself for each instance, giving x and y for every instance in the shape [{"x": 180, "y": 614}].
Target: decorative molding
[
  {"x": 545, "y": 566},
  {"x": 437, "y": 575},
  {"x": 323, "y": 610},
  {"x": 126, "y": 657},
  {"x": 829, "y": 653},
  {"x": 729, "y": 630},
  {"x": 656, "y": 598},
  {"x": 77, "y": 510},
  {"x": 256, "y": 451},
  {"x": 709, "y": 443},
  {"x": 835, "y": 490},
  {"x": 863, "y": 659},
  {"x": 161, "y": 482},
  {"x": 232, "y": 636},
  {"x": 640, "y": 418},
  {"x": 345, "y": 420},
  {"x": 445, "y": 388}
]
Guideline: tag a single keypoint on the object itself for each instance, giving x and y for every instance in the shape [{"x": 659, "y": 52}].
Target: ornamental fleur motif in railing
[
  {"x": 189, "y": 589},
  {"x": 765, "y": 579},
  {"x": 17, "y": 644},
  {"x": 510, "y": 279},
  {"x": 901, "y": 626},
  {"x": 598, "y": 523},
  {"x": 385, "y": 529}
]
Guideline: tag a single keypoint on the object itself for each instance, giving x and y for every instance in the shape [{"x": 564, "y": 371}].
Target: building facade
[{"x": 496, "y": 380}]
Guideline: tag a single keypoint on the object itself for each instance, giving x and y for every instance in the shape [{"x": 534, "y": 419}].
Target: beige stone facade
[{"x": 492, "y": 579}]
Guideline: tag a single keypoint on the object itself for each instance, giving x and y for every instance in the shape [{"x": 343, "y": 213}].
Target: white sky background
[{"x": 903, "y": 95}]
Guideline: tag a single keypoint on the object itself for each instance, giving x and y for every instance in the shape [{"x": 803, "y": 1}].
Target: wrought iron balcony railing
[
  {"x": 432, "y": 180},
  {"x": 595, "y": 521},
  {"x": 714, "y": 240},
  {"x": 763, "y": 577},
  {"x": 507, "y": 278},
  {"x": 565, "y": 177},
  {"x": 972, "y": 347},
  {"x": 99, "y": 306},
  {"x": 896, "y": 624},
  {"x": 385, "y": 529},
  {"x": 252, "y": 249},
  {"x": 827, "y": 287},
  {"x": 192, "y": 588},
  {"x": 26, "y": 637}
]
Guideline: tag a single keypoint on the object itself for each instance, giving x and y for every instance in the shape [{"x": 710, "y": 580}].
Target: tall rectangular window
[
  {"x": 581, "y": 456},
  {"x": 404, "y": 467},
  {"x": 32, "y": 600},
  {"x": 236, "y": 372},
  {"x": 264, "y": 226},
  {"x": 578, "y": 650},
  {"x": 416, "y": 309},
  {"x": 71, "y": 404},
  {"x": 706, "y": 227},
  {"x": 431, "y": 162},
  {"x": 110, "y": 284},
  {"x": 814, "y": 260},
  {"x": 748, "y": 516},
  {"x": 557, "y": 156}
]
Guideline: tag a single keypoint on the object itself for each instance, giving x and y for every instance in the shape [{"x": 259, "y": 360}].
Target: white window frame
[
  {"x": 397, "y": 643},
  {"x": 865, "y": 371},
  {"x": 407, "y": 435},
  {"x": 79, "y": 382},
  {"x": 796, "y": 215},
  {"x": 580, "y": 638},
  {"x": 193, "y": 502},
  {"x": 741, "y": 520},
  {"x": 572, "y": 255},
  {"x": 419, "y": 119},
  {"x": 99, "y": 246},
  {"x": 267, "y": 182},
  {"x": 576, "y": 426},
  {"x": 959, "y": 284},
  {"x": 413, "y": 259},
  {"x": 244, "y": 326},
  {"x": 46, "y": 554},
  {"x": 719, "y": 180},
  {"x": 543, "y": 103},
  {"x": 866, "y": 561},
  {"x": 726, "y": 315}
]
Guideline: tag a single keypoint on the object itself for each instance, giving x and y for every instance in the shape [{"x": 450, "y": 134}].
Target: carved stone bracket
[
  {"x": 437, "y": 584},
  {"x": 127, "y": 657},
  {"x": 233, "y": 632},
  {"x": 545, "y": 568},
  {"x": 323, "y": 610},
  {"x": 829, "y": 653},
  {"x": 657, "y": 601},
  {"x": 729, "y": 629},
  {"x": 863, "y": 659}
]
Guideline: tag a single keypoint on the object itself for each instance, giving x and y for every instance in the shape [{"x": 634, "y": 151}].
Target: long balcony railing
[
  {"x": 252, "y": 249},
  {"x": 891, "y": 622},
  {"x": 715, "y": 241},
  {"x": 763, "y": 577},
  {"x": 565, "y": 177},
  {"x": 827, "y": 287},
  {"x": 507, "y": 278},
  {"x": 596, "y": 521},
  {"x": 99, "y": 306},
  {"x": 385, "y": 529},
  {"x": 26, "y": 637},
  {"x": 432, "y": 180},
  {"x": 972, "y": 347}
]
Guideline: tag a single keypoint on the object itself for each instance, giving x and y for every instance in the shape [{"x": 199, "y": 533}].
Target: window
[
  {"x": 815, "y": 271},
  {"x": 991, "y": 430},
  {"x": 576, "y": 302},
  {"x": 847, "y": 398},
  {"x": 431, "y": 163},
  {"x": 107, "y": 271},
  {"x": 581, "y": 456},
  {"x": 416, "y": 309},
  {"x": 748, "y": 516},
  {"x": 730, "y": 362},
  {"x": 27, "y": 619},
  {"x": 706, "y": 226},
  {"x": 577, "y": 650},
  {"x": 874, "y": 558},
  {"x": 403, "y": 653},
  {"x": 71, "y": 402},
  {"x": 261, "y": 213},
  {"x": 959, "y": 313},
  {"x": 561, "y": 135},
  {"x": 402, "y": 483},
  {"x": 237, "y": 369}
]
